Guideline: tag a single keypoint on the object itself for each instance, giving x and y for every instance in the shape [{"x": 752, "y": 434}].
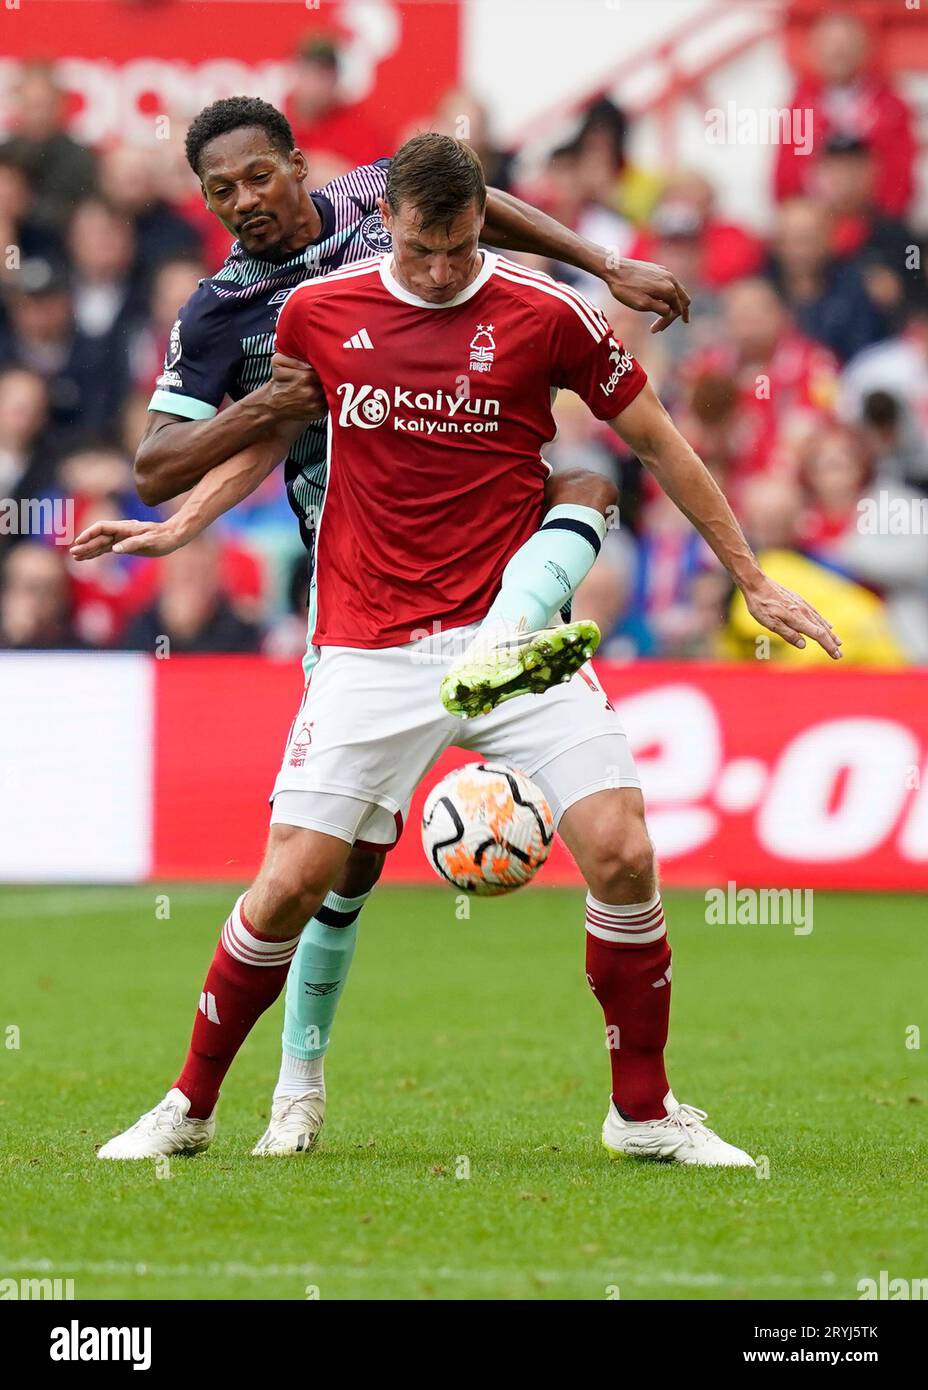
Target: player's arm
[
  {"x": 187, "y": 434},
  {"x": 647, "y": 428},
  {"x": 516, "y": 226},
  {"x": 218, "y": 491},
  {"x": 175, "y": 453}
]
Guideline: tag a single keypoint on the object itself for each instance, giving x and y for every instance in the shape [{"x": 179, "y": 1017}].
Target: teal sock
[
  {"x": 546, "y": 570},
  {"x": 317, "y": 976}
]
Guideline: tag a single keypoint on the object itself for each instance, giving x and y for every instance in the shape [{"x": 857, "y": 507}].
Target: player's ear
[
  {"x": 299, "y": 165},
  {"x": 386, "y": 216}
]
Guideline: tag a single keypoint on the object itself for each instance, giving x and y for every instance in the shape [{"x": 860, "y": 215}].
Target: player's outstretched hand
[
  {"x": 648, "y": 288},
  {"x": 127, "y": 538},
  {"x": 296, "y": 391},
  {"x": 788, "y": 615}
]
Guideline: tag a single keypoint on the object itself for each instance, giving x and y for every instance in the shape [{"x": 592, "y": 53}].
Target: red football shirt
[{"x": 438, "y": 417}]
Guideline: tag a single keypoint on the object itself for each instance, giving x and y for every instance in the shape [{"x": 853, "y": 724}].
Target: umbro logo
[
  {"x": 361, "y": 339},
  {"x": 321, "y": 986}
]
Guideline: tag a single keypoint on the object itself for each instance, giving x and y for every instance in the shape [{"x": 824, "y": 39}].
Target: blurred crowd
[{"x": 802, "y": 379}]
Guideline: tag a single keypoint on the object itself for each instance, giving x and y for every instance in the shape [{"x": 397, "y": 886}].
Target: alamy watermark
[
  {"x": 732, "y": 906},
  {"x": 48, "y": 517},
  {"x": 35, "y": 1290},
  {"x": 757, "y": 125},
  {"x": 884, "y": 1288},
  {"x": 889, "y": 515}
]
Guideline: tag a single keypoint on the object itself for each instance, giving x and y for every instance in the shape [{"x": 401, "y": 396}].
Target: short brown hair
[{"x": 439, "y": 175}]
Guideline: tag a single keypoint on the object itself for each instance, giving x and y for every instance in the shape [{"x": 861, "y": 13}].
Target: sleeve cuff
[{"x": 187, "y": 406}]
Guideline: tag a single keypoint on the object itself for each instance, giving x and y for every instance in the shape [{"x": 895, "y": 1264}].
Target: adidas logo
[
  {"x": 208, "y": 1007},
  {"x": 361, "y": 339}
]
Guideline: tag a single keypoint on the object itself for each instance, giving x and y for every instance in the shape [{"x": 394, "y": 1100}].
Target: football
[{"x": 487, "y": 829}]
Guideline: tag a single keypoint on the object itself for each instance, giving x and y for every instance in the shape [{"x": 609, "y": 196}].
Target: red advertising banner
[
  {"x": 806, "y": 779},
  {"x": 124, "y": 61}
]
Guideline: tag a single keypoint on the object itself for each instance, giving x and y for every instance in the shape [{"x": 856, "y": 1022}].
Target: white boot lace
[{"x": 691, "y": 1121}]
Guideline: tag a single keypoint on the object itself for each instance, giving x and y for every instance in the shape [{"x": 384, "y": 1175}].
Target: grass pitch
[{"x": 467, "y": 1080}]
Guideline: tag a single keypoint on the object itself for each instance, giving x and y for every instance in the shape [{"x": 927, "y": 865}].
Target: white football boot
[
  {"x": 165, "y": 1130},
  {"x": 296, "y": 1123},
  {"x": 682, "y": 1136}
]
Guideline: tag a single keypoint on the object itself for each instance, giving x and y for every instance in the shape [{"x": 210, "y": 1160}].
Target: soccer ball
[{"x": 487, "y": 829}]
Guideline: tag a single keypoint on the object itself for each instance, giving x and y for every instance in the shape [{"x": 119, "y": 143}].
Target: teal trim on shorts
[{"x": 188, "y": 406}]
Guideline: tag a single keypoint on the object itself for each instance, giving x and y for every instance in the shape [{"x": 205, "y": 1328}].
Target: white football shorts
[{"x": 371, "y": 724}]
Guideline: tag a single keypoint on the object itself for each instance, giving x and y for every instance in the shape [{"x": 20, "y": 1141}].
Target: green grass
[{"x": 477, "y": 1039}]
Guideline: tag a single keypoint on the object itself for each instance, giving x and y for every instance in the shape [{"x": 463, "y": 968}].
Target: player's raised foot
[
  {"x": 167, "y": 1129},
  {"x": 682, "y": 1136},
  {"x": 513, "y": 663},
  {"x": 296, "y": 1123}
]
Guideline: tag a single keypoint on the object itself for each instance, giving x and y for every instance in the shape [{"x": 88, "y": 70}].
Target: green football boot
[{"x": 518, "y": 663}]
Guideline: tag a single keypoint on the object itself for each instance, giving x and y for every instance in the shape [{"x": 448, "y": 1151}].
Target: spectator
[
  {"x": 59, "y": 170},
  {"x": 848, "y": 98},
  {"x": 173, "y": 284},
  {"x": 108, "y": 591},
  {"x": 883, "y": 430},
  {"x": 571, "y": 189},
  {"x": 677, "y": 240},
  {"x": 724, "y": 251},
  {"x": 843, "y": 528},
  {"x": 19, "y": 229},
  {"x": 857, "y": 614},
  {"x": 784, "y": 383},
  {"x": 884, "y": 247},
  {"x": 332, "y": 132},
  {"x": 101, "y": 244},
  {"x": 35, "y": 609},
  {"x": 898, "y": 368},
  {"x": 129, "y": 180},
  {"x": 286, "y": 638},
  {"x": 26, "y": 469},
  {"x": 460, "y": 114},
  {"x": 86, "y": 377},
  {"x": 192, "y": 609},
  {"x": 606, "y": 593},
  {"x": 828, "y": 298},
  {"x": 97, "y": 468},
  {"x": 604, "y": 168},
  {"x": 670, "y": 557}
]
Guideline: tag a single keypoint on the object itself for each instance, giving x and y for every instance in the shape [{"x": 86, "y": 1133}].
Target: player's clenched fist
[{"x": 295, "y": 390}]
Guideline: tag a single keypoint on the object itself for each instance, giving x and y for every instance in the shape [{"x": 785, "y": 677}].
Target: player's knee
[
  {"x": 282, "y": 901},
  {"x": 296, "y": 875},
  {"x": 621, "y": 854}
]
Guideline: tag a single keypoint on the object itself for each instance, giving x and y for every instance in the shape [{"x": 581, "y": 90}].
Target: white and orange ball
[{"x": 487, "y": 829}]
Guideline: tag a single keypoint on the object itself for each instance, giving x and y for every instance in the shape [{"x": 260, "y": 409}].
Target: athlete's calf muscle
[{"x": 359, "y": 873}]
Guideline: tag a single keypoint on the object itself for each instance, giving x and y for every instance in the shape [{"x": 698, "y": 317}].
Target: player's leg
[
  {"x": 515, "y": 651},
  {"x": 317, "y": 977},
  {"x": 370, "y": 725},
  {"x": 571, "y": 743},
  {"x": 315, "y": 983},
  {"x": 246, "y": 975},
  {"x": 628, "y": 964}
]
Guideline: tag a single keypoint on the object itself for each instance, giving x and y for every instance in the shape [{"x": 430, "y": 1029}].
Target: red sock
[
  {"x": 628, "y": 967},
  {"x": 246, "y": 976}
]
